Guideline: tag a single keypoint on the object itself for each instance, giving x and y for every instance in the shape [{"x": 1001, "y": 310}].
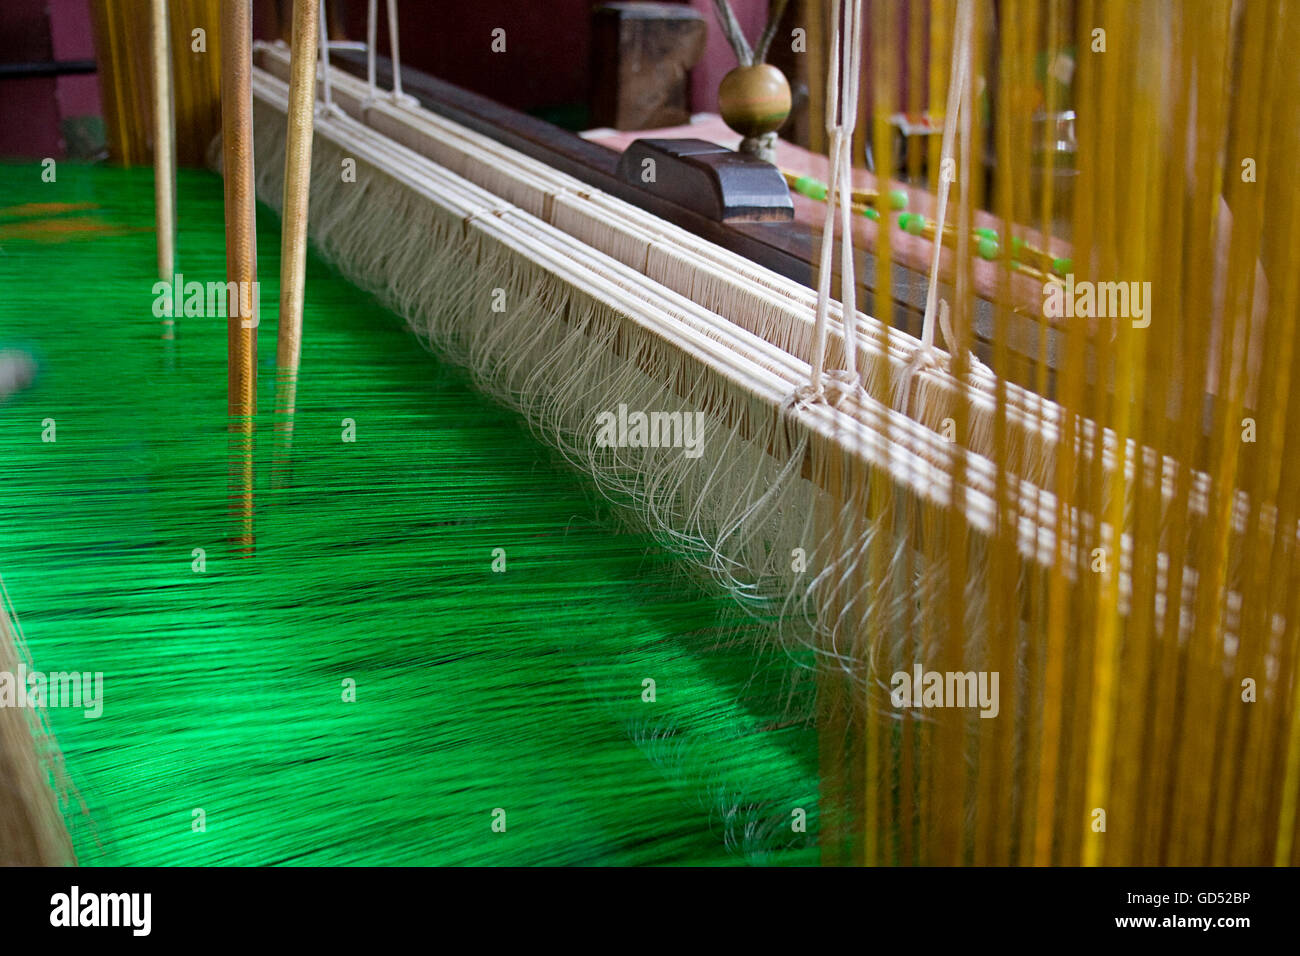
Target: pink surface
[{"x": 719, "y": 59}]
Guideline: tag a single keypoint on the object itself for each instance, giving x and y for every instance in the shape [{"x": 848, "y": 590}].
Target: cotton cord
[
  {"x": 327, "y": 98},
  {"x": 841, "y": 120},
  {"x": 394, "y": 32},
  {"x": 957, "y": 92},
  {"x": 372, "y": 17}
]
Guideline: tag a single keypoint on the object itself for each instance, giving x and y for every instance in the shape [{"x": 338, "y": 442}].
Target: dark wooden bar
[{"x": 785, "y": 247}]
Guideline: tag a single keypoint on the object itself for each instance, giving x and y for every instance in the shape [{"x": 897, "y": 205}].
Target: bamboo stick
[
  {"x": 241, "y": 249},
  {"x": 164, "y": 149},
  {"x": 293, "y": 235}
]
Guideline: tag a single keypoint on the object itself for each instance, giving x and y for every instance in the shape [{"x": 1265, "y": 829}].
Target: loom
[{"x": 890, "y": 585}]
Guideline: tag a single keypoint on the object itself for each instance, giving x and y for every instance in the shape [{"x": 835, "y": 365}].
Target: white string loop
[
  {"x": 394, "y": 33},
  {"x": 372, "y": 21},
  {"x": 958, "y": 87},
  {"x": 848, "y": 279},
  {"x": 327, "y": 97},
  {"x": 396, "y": 55},
  {"x": 841, "y": 121}
]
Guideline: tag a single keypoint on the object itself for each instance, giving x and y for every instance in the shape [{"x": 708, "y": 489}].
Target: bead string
[{"x": 1025, "y": 257}]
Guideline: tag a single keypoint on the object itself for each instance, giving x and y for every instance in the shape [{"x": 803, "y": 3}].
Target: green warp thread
[{"x": 223, "y": 688}]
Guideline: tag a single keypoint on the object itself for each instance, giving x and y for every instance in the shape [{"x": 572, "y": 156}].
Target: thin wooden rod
[
  {"x": 297, "y": 184},
  {"x": 164, "y": 149},
  {"x": 241, "y": 239},
  {"x": 32, "y": 831},
  {"x": 241, "y": 253}
]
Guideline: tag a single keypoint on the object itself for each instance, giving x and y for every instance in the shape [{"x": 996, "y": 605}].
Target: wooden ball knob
[{"x": 754, "y": 100}]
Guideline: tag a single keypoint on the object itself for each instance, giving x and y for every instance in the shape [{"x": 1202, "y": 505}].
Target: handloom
[{"x": 870, "y": 598}]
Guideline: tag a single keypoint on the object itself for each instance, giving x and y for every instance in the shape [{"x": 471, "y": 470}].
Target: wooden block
[
  {"x": 716, "y": 182},
  {"x": 642, "y": 54}
]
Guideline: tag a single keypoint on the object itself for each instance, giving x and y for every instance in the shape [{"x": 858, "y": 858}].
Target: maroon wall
[
  {"x": 548, "y": 46},
  {"x": 29, "y": 116},
  {"x": 546, "y": 63}
]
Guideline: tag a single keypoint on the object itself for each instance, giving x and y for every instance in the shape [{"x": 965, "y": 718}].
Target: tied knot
[{"x": 831, "y": 389}]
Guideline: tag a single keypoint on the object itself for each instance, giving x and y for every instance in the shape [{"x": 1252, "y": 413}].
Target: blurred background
[{"x": 51, "y": 95}]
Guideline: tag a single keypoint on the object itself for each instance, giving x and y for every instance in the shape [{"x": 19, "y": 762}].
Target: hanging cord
[
  {"x": 397, "y": 56},
  {"x": 372, "y": 22},
  {"x": 959, "y": 106},
  {"x": 844, "y": 194},
  {"x": 394, "y": 32},
  {"x": 841, "y": 120},
  {"x": 957, "y": 92},
  {"x": 327, "y": 97}
]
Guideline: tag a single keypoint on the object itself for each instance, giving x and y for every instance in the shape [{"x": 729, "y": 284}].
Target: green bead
[
  {"x": 987, "y": 233},
  {"x": 897, "y": 199},
  {"x": 912, "y": 222},
  {"x": 871, "y": 214},
  {"x": 811, "y": 187},
  {"x": 1017, "y": 244},
  {"x": 988, "y": 248},
  {"x": 1062, "y": 266}
]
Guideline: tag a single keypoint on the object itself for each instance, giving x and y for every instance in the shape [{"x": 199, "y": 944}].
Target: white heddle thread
[
  {"x": 958, "y": 92},
  {"x": 841, "y": 121},
  {"x": 372, "y": 31},
  {"x": 325, "y": 61}
]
